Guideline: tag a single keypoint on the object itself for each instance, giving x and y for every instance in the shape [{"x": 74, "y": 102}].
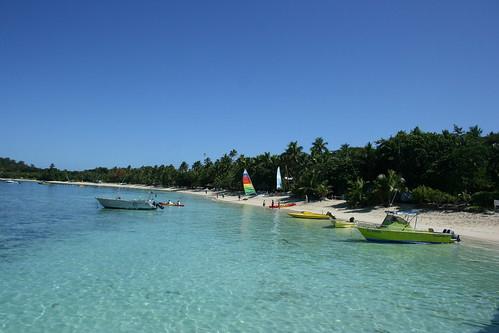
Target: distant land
[{"x": 458, "y": 168}]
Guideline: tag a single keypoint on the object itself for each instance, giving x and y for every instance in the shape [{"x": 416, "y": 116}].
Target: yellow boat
[
  {"x": 342, "y": 224},
  {"x": 309, "y": 215}
]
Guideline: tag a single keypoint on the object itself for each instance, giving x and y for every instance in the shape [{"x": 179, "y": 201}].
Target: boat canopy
[
  {"x": 400, "y": 219},
  {"x": 394, "y": 221}
]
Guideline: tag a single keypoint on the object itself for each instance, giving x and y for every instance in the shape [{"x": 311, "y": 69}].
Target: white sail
[{"x": 279, "y": 182}]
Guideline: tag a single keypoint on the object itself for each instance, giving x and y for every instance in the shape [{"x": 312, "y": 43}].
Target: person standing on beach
[{"x": 263, "y": 203}]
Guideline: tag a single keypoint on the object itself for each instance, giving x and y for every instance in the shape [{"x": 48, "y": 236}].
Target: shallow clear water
[{"x": 67, "y": 265}]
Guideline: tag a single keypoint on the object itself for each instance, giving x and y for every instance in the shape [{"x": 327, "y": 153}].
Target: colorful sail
[
  {"x": 279, "y": 181},
  {"x": 248, "y": 186}
]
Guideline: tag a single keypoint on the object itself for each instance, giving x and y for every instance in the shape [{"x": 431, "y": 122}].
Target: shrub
[
  {"x": 484, "y": 199},
  {"x": 357, "y": 193},
  {"x": 474, "y": 209},
  {"x": 426, "y": 194}
]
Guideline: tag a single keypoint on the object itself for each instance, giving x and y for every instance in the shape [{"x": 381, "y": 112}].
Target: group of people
[{"x": 273, "y": 204}]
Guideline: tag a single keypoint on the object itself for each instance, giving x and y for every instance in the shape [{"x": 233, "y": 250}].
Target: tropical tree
[
  {"x": 357, "y": 193},
  {"x": 319, "y": 148},
  {"x": 292, "y": 158},
  {"x": 387, "y": 186}
]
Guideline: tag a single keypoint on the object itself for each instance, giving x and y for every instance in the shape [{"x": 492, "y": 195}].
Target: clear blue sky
[{"x": 104, "y": 83}]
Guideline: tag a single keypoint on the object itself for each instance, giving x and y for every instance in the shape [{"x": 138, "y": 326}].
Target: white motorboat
[{"x": 120, "y": 203}]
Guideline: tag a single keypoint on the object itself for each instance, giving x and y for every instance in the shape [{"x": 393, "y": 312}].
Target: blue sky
[{"x": 105, "y": 83}]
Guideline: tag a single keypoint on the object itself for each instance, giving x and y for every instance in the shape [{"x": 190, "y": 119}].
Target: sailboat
[
  {"x": 279, "y": 181},
  {"x": 249, "y": 190}
]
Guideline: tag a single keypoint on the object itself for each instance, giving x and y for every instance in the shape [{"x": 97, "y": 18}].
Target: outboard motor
[
  {"x": 157, "y": 205},
  {"x": 455, "y": 237}
]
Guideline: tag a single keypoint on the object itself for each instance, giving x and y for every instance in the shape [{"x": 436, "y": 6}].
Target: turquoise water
[{"x": 67, "y": 265}]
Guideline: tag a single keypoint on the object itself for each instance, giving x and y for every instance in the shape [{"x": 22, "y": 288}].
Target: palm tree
[
  {"x": 233, "y": 153},
  {"x": 292, "y": 157},
  {"x": 319, "y": 147},
  {"x": 356, "y": 195},
  {"x": 311, "y": 184},
  {"x": 387, "y": 186}
]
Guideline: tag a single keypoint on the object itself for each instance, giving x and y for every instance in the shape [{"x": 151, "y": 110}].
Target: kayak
[
  {"x": 283, "y": 205},
  {"x": 309, "y": 215}
]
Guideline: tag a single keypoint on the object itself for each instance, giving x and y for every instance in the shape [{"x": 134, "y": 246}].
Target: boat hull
[
  {"x": 309, "y": 216},
  {"x": 166, "y": 204},
  {"x": 283, "y": 205},
  {"x": 126, "y": 204},
  {"x": 399, "y": 236},
  {"x": 342, "y": 224}
]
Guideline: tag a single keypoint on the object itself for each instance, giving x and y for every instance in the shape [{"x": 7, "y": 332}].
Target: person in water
[{"x": 178, "y": 203}]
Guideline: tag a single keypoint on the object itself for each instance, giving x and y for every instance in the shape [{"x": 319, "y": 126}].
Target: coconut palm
[
  {"x": 293, "y": 158},
  {"x": 387, "y": 186},
  {"x": 319, "y": 147},
  {"x": 356, "y": 195}
]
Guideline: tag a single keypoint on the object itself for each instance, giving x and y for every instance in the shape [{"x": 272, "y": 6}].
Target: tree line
[{"x": 450, "y": 167}]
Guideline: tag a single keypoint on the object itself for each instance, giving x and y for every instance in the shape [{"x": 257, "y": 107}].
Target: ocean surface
[{"x": 67, "y": 265}]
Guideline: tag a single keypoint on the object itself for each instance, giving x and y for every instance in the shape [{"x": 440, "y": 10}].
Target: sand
[{"x": 478, "y": 226}]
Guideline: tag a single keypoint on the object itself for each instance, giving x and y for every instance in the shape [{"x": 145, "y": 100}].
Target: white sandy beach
[{"x": 477, "y": 226}]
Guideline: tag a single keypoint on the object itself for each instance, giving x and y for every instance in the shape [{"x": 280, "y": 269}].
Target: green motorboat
[{"x": 396, "y": 227}]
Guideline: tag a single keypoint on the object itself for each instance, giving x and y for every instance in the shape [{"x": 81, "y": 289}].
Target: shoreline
[{"x": 478, "y": 226}]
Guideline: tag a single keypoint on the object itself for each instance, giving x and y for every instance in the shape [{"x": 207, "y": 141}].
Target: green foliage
[
  {"x": 485, "y": 199},
  {"x": 441, "y": 168},
  {"x": 387, "y": 186},
  {"x": 475, "y": 209},
  {"x": 427, "y": 195},
  {"x": 357, "y": 194}
]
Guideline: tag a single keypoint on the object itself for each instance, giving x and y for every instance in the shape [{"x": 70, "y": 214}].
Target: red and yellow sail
[{"x": 247, "y": 185}]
